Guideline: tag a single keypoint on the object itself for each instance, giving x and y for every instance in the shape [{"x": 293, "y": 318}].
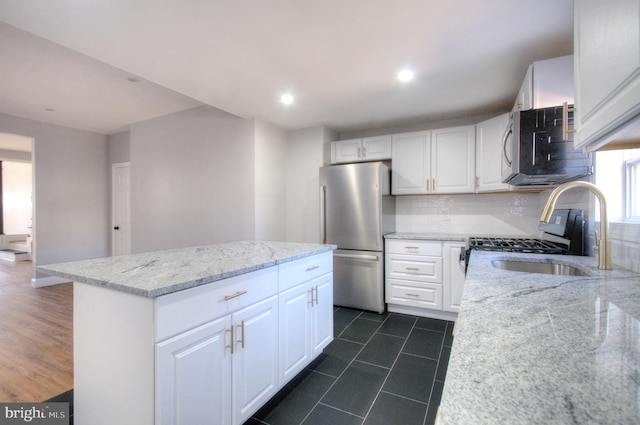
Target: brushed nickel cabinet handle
[
  {"x": 241, "y": 326},
  {"x": 413, "y": 269},
  {"x": 412, "y": 295},
  {"x": 231, "y": 344},
  {"x": 312, "y": 268},
  {"x": 237, "y": 294}
]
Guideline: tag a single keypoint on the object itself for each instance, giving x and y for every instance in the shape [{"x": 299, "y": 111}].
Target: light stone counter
[
  {"x": 428, "y": 236},
  {"x": 158, "y": 273},
  {"x": 544, "y": 349}
]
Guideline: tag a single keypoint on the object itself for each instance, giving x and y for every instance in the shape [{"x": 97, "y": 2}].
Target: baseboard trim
[{"x": 47, "y": 281}]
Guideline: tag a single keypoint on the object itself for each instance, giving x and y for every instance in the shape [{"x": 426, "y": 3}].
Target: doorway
[
  {"x": 17, "y": 200},
  {"x": 121, "y": 208}
]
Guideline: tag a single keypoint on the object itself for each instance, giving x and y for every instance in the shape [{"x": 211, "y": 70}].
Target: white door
[
  {"x": 294, "y": 327},
  {"x": 453, "y": 160},
  {"x": 322, "y": 313},
  {"x": 121, "y": 209},
  {"x": 193, "y": 372},
  {"x": 255, "y": 358}
]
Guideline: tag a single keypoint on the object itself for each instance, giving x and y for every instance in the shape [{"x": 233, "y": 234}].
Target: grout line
[{"x": 391, "y": 368}]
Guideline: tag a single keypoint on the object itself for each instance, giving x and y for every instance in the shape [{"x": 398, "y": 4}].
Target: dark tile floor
[{"x": 379, "y": 370}]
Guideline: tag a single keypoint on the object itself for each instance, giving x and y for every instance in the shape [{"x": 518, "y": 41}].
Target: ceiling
[{"x": 71, "y": 61}]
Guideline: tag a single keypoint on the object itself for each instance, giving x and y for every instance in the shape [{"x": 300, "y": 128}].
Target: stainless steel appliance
[
  {"x": 566, "y": 223},
  {"x": 356, "y": 211},
  {"x": 537, "y": 153}
]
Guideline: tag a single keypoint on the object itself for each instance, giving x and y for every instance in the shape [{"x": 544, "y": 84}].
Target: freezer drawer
[{"x": 358, "y": 279}]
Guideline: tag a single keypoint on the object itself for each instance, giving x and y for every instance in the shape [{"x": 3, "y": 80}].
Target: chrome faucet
[{"x": 603, "y": 244}]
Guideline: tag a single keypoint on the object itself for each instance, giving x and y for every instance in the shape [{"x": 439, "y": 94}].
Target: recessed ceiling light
[
  {"x": 133, "y": 80},
  {"x": 286, "y": 99},
  {"x": 49, "y": 109},
  {"x": 405, "y": 75}
]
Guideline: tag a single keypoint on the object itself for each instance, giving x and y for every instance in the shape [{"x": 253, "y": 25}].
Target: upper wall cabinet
[
  {"x": 607, "y": 69},
  {"x": 359, "y": 150},
  {"x": 490, "y": 140},
  {"x": 547, "y": 83},
  {"x": 432, "y": 162}
]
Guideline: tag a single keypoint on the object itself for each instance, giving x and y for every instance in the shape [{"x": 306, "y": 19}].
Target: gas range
[{"x": 507, "y": 244}]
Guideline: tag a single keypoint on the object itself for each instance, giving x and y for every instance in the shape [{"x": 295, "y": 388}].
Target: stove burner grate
[{"x": 528, "y": 245}]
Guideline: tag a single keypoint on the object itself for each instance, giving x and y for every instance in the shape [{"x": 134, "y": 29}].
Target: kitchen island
[
  {"x": 534, "y": 348},
  {"x": 196, "y": 335}
]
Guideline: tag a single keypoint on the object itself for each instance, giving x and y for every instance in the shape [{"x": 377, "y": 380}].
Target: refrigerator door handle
[
  {"x": 323, "y": 222},
  {"x": 357, "y": 256}
]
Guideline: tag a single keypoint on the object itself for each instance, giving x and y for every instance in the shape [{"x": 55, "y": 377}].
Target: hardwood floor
[{"x": 36, "y": 336}]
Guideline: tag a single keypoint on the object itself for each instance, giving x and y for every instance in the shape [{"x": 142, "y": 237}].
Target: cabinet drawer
[
  {"x": 414, "y": 267},
  {"x": 295, "y": 272},
  {"x": 184, "y": 310},
  {"x": 425, "y": 295},
  {"x": 398, "y": 246}
]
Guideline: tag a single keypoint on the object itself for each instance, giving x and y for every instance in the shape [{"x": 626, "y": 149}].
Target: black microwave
[{"x": 535, "y": 153}]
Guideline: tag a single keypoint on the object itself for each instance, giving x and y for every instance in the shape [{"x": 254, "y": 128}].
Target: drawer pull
[
  {"x": 413, "y": 269},
  {"x": 241, "y": 341},
  {"x": 237, "y": 294},
  {"x": 412, "y": 295},
  {"x": 411, "y": 247},
  {"x": 312, "y": 268}
]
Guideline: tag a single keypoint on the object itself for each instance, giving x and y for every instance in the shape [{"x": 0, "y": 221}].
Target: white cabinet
[
  {"x": 453, "y": 160},
  {"x": 306, "y": 314},
  {"x": 413, "y": 275},
  {"x": 453, "y": 275},
  {"x": 607, "y": 69},
  {"x": 196, "y": 372},
  {"x": 432, "y": 162},
  {"x": 375, "y": 148},
  {"x": 208, "y": 354},
  {"x": 490, "y": 141},
  {"x": 547, "y": 83},
  {"x": 227, "y": 368},
  {"x": 411, "y": 169},
  {"x": 419, "y": 278},
  {"x": 255, "y": 358}
]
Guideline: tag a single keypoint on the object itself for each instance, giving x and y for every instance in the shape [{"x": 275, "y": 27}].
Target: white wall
[
  {"x": 119, "y": 147},
  {"x": 192, "y": 180},
  {"x": 17, "y": 207},
  {"x": 71, "y": 181},
  {"x": 306, "y": 152},
  {"x": 270, "y": 181}
]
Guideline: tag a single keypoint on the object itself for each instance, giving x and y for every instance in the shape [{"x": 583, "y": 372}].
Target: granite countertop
[
  {"x": 162, "y": 272},
  {"x": 544, "y": 349},
  {"x": 428, "y": 236}
]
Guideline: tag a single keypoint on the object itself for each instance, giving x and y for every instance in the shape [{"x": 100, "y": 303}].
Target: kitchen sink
[{"x": 532, "y": 267}]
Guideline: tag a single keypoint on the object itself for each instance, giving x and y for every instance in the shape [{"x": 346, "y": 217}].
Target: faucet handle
[{"x": 596, "y": 247}]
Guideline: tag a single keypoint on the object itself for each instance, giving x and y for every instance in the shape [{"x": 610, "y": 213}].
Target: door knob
[{"x": 116, "y": 228}]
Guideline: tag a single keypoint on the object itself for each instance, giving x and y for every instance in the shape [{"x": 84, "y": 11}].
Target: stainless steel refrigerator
[{"x": 356, "y": 211}]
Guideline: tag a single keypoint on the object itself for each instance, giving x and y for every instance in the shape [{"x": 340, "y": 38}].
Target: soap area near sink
[{"x": 544, "y": 348}]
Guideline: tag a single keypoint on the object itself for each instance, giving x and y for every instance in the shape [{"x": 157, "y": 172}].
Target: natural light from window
[{"x": 618, "y": 176}]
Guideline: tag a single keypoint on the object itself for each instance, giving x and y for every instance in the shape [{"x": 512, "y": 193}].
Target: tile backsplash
[
  {"x": 485, "y": 214},
  {"x": 509, "y": 214}
]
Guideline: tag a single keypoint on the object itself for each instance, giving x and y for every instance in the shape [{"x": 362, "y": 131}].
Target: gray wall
[
  {"x": 270, "y": 181},
  {"x": 119, "y": 147},
  {"x": 72, "y": 199},
  {"x": 192, "y": 180},
  {"x": 306, "y": 152}
]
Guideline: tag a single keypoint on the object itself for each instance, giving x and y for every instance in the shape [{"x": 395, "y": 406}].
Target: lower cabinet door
[
  {"x": 295, "y": 322},
  {"x": 255, "y": 358},
  {"x": 322, "y": 314},
  {"x": 193, "y": 372}
]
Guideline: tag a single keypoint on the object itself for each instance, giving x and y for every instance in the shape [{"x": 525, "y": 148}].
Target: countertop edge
[{"x": 179, "y": 286}]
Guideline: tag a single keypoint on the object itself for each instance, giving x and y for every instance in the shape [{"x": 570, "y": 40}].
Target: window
[
  {"x": 632, "y": 173},
  {"x": 617, "y": 174}
]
